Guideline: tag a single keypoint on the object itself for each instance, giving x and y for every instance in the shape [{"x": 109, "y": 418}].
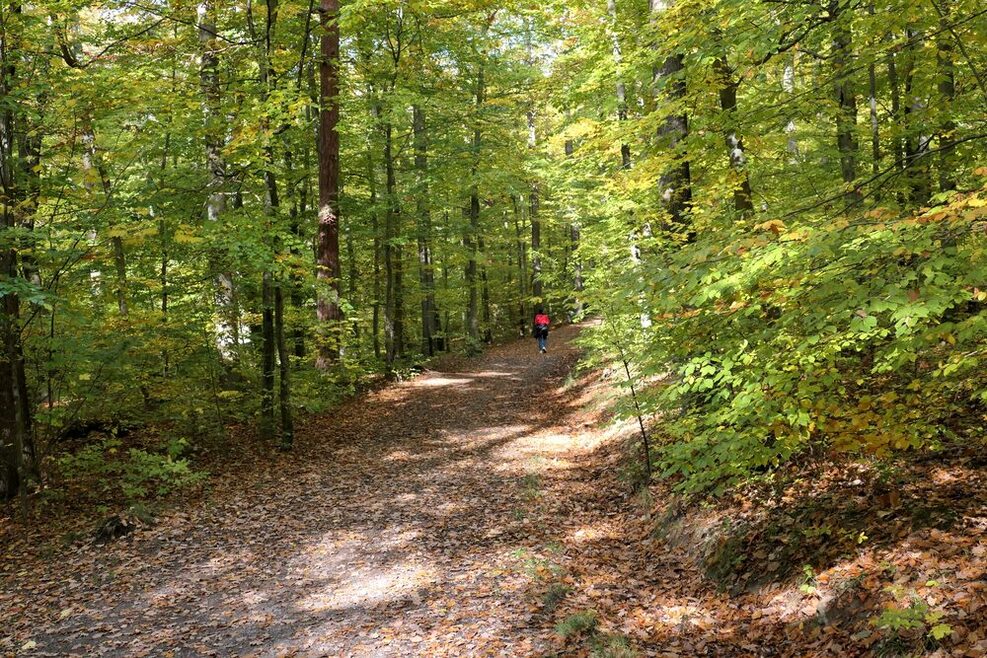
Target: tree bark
[
  {"x": 916, "y": 144},
  {"x": 946, "y": 86},
  {"x": 17, "y": 456},
  {"x": 473, "y": 214},
  {"x": 393, "y": 274},
  {"x": 228, "y": 321},
  {"x": 522, "y": 263},
  {"x": 846, "y": 99},
  {"x": 675, "y": 183},
  {"x": 426, "y": 273},
  {"x": 328, "y": 311},
  {"x": 287, "y": 422},
  {"x": 621, "y": 87},
  {"x": 375, "y": 227},
  {"x": 788, "y": 85},
  {"x": 743, "y": 202}
]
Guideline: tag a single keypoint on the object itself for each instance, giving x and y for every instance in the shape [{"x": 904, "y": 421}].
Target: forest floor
[{"x": 478, "y": 510}]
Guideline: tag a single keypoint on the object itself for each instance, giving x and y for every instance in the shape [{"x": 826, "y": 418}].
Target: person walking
[{"x": 541, "y": 329}]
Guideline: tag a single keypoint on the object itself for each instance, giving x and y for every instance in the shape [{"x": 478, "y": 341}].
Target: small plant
[
  {"x": 554, "y": 595},
  {"x": 809, "y": 583},
  {"x": 612, "y": 646},
  {"x": 530, "y": 486},
  {"x": 473, "y": 347},
  {"x": 899, "y": 623},
  {"x": 576, "y": 624},
  {"x": 136, "y": 475}
]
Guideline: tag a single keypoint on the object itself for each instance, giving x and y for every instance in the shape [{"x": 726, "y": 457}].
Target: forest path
[{"x": 400, "y": 527}]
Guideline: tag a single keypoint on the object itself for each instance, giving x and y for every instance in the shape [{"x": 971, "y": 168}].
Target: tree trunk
[
  {"x": 846, "y": 99},
  {"x": 352, "y": 276},
  {"x": 574, "y": 236},
  {"x": 894, "y": 83},
  {"x": 522, "y": 263},
  {"x": 16, "y": 444},
  {"x": 375, "y": 226},
  {"x": 743, "y": 203},
  {"x": 296, "y": 211},
  {"x": 95, "y": 169},
  {"x": 327, "y": 256},
  {"x": 485, "y": 293},
  {"x": 271, "y": 295},
  {"x": 946, "y": 87},
  {"x": 287, "y": 422},
  {"x": 621, "y": 88},
  {"x": 788, "y": 85},
  {"x": 916, "y": 144},
  {"x": 228, "y": 321},
  {"x": 675, "y": 183},
  {"x": 473, "y": 229},
  {"x": 267, "y": 427},
  {"x": 426, "y": 274},
  {"x": 393, "y": 302}
]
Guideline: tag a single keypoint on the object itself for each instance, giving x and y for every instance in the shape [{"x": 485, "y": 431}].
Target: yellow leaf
[{"x": 776, "y": 226}]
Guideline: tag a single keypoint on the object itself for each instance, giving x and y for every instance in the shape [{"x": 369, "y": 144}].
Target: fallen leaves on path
[
  {"x": 476, "y": 511},
  {"x": 393, "y": 530}
]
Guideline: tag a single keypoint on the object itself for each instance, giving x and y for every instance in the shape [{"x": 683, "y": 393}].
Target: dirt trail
[{"x": 400, "y": 527}]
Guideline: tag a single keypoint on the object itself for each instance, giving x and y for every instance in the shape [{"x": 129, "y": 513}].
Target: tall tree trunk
[
  {"x": 522, "y": 263},
  {"x": 946, "y": 86},
  {"x": 574, "y": 236},
  {"x": 352, "y": 277},
  {"x": 16, "y": 443},
  {"x": 485, "y": 293},
  {"x": 470, "y": 240},
  {"x": 228, "y": 321},
  {"x": 327, "y": 256},
  {"x": 537, "y": 289},
  {"x": 284, "y": 391},
  {"x": 426, "y": 274},
  {"x": 846, "y": 99},
  {"x": 271, "y": 204},
  {"x": 393, "y": 274},
  {"x": 375, "y": 227},
  {"x": 916, "y": 144},
  {"x": 743, "y": 202},
  {"x": 897, "y": 114},
  {"x": 95, "y": 169},
  {"x": 675, "y": 183},
  {"x": 788, "y": 85},
  {"x": 267, "y": 425},
  {"x": 296, "y": 211},
  {"x": 875, "y": 124},
  {"x": 272, "y": 302},
  {"x": 621, "y": 87}
]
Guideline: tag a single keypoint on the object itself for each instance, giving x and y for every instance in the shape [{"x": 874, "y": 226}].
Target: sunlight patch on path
[
  {"x": 371, "y": 588},
  {"x": 441, "y": 381}
]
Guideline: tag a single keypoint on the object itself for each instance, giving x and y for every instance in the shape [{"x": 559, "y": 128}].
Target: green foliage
[
  {"x": 910, "y": 615},
  {"x": 612, "y": 646},
  {"x": 135, "y": 474},
  {"x": 845, "y": 309},
  {"x": 578, "y": 623}
]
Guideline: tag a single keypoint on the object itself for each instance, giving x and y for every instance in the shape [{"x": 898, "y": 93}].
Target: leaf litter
[{"x": 478, "y": 511}]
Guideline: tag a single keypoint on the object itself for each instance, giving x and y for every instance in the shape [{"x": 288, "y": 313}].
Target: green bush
[
  {"x": 134, "y": 475},
  {"x": 863, "y": 334}
]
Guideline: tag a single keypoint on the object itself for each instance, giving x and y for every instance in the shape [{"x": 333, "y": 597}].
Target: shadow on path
[{"x": 394, "y": 530}]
